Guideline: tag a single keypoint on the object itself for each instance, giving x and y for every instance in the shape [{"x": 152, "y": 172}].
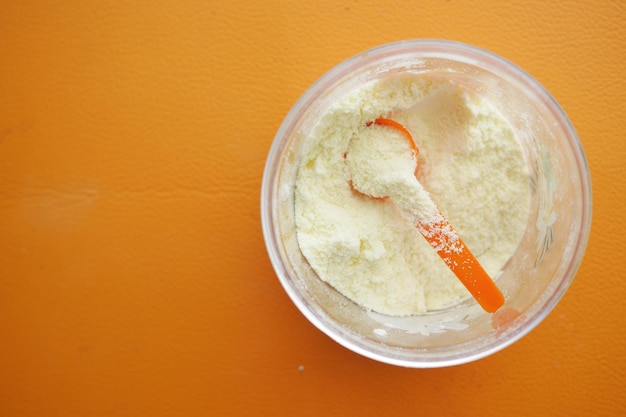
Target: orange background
[{"x": 134, "y": 279}]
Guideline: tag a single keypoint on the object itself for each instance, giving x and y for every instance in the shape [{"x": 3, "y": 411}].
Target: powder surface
[{"x": 470, "y": 164}]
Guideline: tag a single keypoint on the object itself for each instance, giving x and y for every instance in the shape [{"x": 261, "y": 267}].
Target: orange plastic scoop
[
  {"x": 405, "y": 191},
  {"x": 462, "y": 262}
]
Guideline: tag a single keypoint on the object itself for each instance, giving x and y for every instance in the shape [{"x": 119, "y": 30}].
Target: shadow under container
[{"x": 535, "y": 277}]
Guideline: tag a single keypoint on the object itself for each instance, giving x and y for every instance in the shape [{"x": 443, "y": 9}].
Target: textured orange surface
[{"x": 134, "y": 279}]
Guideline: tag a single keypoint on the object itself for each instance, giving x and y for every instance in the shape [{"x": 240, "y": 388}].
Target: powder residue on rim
[{"x": 471, "y": 165}]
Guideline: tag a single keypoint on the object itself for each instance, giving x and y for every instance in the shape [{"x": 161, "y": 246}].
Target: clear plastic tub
[{"x": 533, "y": 280}]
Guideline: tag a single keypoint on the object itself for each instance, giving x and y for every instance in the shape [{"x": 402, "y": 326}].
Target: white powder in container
[{"x": 470, "y": 163}]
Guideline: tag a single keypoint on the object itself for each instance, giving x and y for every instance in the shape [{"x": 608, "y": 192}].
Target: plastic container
[{"x": 536, "y": 276}]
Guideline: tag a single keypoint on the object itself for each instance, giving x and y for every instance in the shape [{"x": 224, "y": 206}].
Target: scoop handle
[{"x": 450, "y": 247}]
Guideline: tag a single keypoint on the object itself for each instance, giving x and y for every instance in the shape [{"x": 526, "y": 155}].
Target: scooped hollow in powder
[{"x": 470, "y": 163}]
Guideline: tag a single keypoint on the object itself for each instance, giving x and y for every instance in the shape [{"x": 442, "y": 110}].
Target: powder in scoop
[{"x": 381, "y": 164}]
